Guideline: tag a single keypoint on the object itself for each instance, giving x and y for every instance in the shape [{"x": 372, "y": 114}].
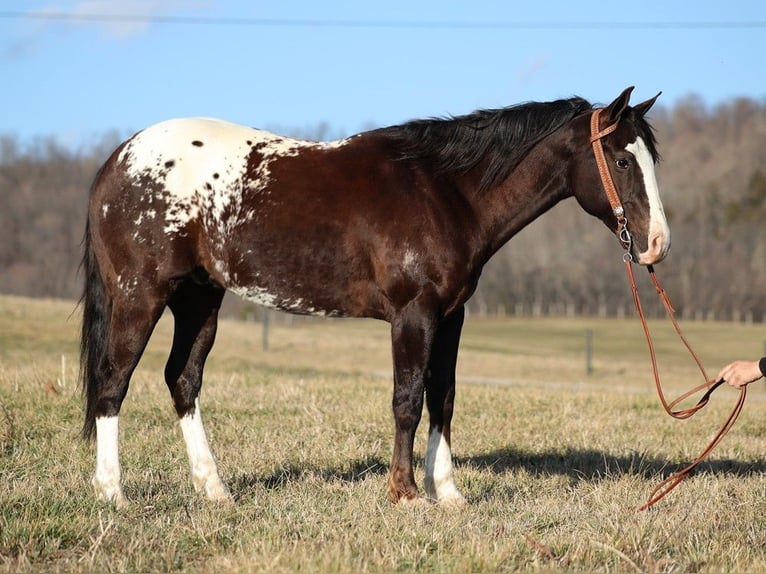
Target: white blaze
[{"x": 659, "y": 232}]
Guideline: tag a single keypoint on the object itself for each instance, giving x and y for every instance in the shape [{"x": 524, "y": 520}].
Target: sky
[{"x": 79, "y": 69}]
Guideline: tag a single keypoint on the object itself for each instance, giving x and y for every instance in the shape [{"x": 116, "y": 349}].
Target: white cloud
[
  {"x": 123, "y": 26},
  {"x": 26, "y": 40},
  {"x": 528, "y": 72}
]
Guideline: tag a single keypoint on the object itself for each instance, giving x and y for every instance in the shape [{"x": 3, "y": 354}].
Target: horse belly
[
  {"x": 318, "y": 301},
  {"x": 297, "y": 276},
  {"x": 289, "y": 300}
]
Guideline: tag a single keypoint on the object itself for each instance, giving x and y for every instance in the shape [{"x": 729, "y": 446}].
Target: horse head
[{"x": 634, "y": 212}]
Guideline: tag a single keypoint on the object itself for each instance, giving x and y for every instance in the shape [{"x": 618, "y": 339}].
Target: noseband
[{"x": 709, "y": 386}]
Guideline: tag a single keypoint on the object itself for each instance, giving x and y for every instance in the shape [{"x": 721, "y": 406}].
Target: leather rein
[{"x": 623, "y": 234}]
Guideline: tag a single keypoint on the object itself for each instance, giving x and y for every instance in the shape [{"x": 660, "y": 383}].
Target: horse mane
[{"x": 504, "y": 136}]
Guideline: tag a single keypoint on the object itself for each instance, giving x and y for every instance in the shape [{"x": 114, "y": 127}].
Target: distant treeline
[{"x": 712, "y": 178}]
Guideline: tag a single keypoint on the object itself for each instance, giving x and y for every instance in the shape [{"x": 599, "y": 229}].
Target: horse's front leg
[
  {"x": 412, "y": 334},
  {"x": 440, "y": 398}
]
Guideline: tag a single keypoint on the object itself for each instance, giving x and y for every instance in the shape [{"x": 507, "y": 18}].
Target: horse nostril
[{"x": 658, "y": 245}]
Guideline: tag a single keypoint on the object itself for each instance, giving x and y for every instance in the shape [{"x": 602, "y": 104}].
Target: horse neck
[{"x": 538, "y": 183}]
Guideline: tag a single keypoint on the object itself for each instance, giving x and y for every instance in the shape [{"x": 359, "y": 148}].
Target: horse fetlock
[{"x": 398, "y": 492}]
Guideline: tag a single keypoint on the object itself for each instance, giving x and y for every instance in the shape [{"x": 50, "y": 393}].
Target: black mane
[{"x": 505, "y": 136}]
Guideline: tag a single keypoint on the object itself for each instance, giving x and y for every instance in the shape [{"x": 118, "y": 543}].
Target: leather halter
[{"x": 669, "y": 483}]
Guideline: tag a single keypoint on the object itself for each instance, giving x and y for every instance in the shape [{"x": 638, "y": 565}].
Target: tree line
[{"x": 712, "y": 179}]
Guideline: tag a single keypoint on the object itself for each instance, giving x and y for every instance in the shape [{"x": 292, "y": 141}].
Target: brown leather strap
[
  {"x": 623, "y": 235},
  {"x": 669, "y": 483},
  {"x": 603, "y": 169},
  {"x": 595, "y": 134},
  {"x": 708, "y": 384}
]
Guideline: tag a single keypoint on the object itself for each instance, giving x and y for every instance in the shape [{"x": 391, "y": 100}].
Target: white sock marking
[
  {"x": 439, "y": 483},
  {"x": 108, "y": 476},
  {"x": 203, "y": 467}
]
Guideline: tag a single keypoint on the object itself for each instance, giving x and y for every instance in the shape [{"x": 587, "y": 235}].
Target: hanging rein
[{"x": 623, "y": 234}]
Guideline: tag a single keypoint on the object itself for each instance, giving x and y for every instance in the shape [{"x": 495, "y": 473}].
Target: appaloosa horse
[{"x": 395, "y": 223}]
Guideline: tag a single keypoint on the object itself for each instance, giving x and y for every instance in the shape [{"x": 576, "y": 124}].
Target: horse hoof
[
  {"x": 227, "y": 500},
  {"x": 110, "y": 492},
  {"x": 414, "y": 502},
  {"x": 452, "y": 500},
  {"x": 446, "y": 495},
  {"x": 218, "y": 493},
  {"x": 117, "y": 499}
]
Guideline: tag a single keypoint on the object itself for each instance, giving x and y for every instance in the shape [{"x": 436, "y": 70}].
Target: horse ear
[
  {"x": 614, "y": 110},
  {"x": 643, "y": 107}
]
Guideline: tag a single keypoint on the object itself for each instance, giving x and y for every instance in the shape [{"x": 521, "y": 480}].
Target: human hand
[{"x": 740, "y": 373}]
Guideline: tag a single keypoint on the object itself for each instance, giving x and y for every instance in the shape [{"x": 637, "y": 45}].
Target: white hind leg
[
  {"x": 440, "y": 481},
  {"x": 108, "y": 477},
  {"x": 204, "y": 470},
  {"x": 195, "y": 307}
]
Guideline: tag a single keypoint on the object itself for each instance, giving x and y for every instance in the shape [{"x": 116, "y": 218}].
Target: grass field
[{"x": 552, "y": 461}]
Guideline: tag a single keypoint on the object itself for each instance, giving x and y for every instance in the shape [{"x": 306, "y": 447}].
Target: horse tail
[{"x": 95, "y": 329}]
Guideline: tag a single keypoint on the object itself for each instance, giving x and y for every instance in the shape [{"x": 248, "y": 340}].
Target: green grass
[{"x": 552, "y": 461}]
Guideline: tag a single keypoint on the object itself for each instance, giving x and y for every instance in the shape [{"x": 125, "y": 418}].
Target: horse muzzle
[{"x": 657, "y": 250}]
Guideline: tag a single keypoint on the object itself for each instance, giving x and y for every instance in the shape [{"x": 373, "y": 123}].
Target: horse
[{"x": 395, "y": 223}]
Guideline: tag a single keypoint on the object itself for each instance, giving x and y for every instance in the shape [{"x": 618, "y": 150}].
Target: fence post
[
  {"x": 266, "y": 320},
  {"x": 588, "y": 351}
]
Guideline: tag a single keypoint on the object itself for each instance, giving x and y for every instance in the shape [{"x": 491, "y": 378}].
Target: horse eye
[{"x": 623, "y": 163}]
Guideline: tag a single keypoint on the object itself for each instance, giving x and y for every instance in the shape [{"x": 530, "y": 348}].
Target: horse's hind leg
[
  {"x": 130, "y": 324},
  {"x": 440, "y": 398},
  {"x": 195, "y": 309}
]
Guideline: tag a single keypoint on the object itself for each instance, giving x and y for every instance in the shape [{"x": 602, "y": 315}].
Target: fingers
[{"x": 740, "y": 373}]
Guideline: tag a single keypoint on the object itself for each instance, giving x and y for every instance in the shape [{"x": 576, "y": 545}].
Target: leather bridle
[
  {"x": 606, "y": 179},
  {"x": 623, "y": 235}
]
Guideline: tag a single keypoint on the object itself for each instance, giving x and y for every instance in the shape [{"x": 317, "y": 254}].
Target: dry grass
[{"x": 553, "y": 462}]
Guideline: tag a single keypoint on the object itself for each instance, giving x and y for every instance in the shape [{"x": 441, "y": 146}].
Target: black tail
[{"x": 95, "y": 327}]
